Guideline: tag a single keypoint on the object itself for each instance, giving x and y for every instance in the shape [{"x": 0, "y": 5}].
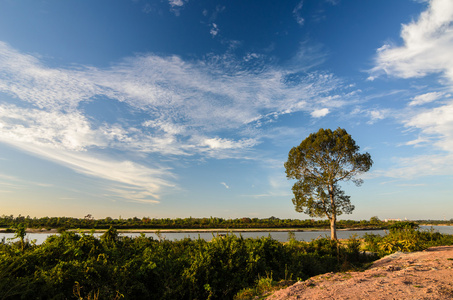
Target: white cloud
[
  {"x": 176, "y": 2},
  {"x": 417, "y": 142},
  {"x": 376, "y": 115},
  {"x": 436, "y": 124},
  {"x": 435, "y": 132},
  {"x": 176, "y": 6},
  {"x": 69, "y": 131},
  {"x": 428, "y": 45},
  {"x": 297, "y": 13},
  {"x": 426, "y": 98},
  {"x": 167, "y": 127},
  {"x": 427, "y": 49},
  {"x": 320, "y": 113},
  {"x": 225, "y": 185},
  {"x": 251, "y": 56},
  {"x": 214, "y": 30},
  {"x": 219, "y": 143}
]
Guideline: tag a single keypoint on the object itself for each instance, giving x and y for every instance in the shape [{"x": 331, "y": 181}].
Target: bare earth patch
[{"x": 419, "y": 275}]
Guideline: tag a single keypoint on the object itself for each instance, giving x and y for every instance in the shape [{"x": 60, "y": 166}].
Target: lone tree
[{"x": 319, "y": 163}]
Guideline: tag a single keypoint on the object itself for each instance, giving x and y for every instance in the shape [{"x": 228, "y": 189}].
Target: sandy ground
[{"x": 419, "y": 275}]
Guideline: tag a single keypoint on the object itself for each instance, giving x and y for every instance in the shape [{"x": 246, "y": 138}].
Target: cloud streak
[
  {"x": 186, "y": 108},
  {"x": 225, "y": 185},
  {"x": 297, "y": 13},
  {"x": 133, "y": 181},
  {"x": 426, "y": 98}
]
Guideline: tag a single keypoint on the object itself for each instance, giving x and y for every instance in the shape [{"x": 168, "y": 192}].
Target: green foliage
[
  {"x": 81, "y": 266},
  {"x": 405, "y": 239},
  {"x": 318, "y": 164},
  {"x": 404, "y": 225},
  {"x": 354, "y": 245},
  {"x": 19, "y": 233},
  {"x": 264, "y": 286},
  {"x": 375, "y": 220}
]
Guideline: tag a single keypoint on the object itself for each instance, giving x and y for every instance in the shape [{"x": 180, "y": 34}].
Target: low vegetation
[
  {"x": 80, "y": 266},
  {"x": 405, "y": 237}
]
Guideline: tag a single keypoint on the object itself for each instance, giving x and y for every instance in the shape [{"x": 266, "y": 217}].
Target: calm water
[{"x": 281, "y": 236}]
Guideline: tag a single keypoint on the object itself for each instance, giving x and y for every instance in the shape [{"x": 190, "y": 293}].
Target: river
[{"x": 281, "y": 236}]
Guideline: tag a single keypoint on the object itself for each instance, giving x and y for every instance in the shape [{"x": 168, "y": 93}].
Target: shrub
[
  {"x": 407, "y": 239},
  {"x": 77, "y": 265}
]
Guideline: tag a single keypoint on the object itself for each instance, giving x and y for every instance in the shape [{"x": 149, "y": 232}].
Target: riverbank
[
  {"x": 195, "y": 230},
  {"x": 428, "y": 224}
]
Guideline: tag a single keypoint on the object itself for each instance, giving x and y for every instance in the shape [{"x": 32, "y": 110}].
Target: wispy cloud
[
  {"x": 133, "y": 181},
  {"x": 215, "y": 13},
  {"x": 25, "y": 77},
  {"x": 426, "y": 98},
  {"x": 69, "y": 131},
  {"x": 14, "y": 183},
  {"x": 186, "y": 108},
  {"x": 436, "y": 124},
  {"x": 176, "y": 2},
  {"x": 176, "y": 5},
  {"x": 214, "y": 30},
  {"x": 377, "y": 114},
  {"x": 297, "y": 13},
  {"x": 416, "y": 167},
  {"x": 225, "y": 185}
]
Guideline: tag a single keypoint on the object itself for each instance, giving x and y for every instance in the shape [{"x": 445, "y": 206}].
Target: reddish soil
[{"x": 419, "y": 275}]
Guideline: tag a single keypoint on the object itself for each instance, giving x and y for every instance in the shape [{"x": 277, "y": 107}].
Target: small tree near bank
[
  {"x": 318, "y": 164},
  {"x": 19, "y": 233}
]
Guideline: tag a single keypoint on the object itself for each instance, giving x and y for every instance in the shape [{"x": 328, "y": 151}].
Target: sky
[{"x": 184, "y": 108}]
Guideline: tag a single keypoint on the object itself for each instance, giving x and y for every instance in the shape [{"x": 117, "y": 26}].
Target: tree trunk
[
  {"x": 333, "y": 217},
  {"x": 333, "y": 227}
]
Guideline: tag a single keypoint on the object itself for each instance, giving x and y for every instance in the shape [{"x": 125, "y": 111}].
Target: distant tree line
[
  {"x": 435, "y": 222},
  {"x": 88, "y": 222}
]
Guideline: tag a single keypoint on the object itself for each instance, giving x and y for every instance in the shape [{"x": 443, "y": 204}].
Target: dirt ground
[{"x": 419, "y": 275}]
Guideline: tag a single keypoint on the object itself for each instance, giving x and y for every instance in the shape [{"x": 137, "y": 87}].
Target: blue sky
[{"x": 178, "y": 108}]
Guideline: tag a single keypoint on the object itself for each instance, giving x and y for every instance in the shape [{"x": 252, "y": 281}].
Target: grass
[{"x": 264, "y": 287}]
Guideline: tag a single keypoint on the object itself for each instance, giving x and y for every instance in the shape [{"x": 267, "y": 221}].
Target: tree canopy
[{"x": 318, "y": 164}]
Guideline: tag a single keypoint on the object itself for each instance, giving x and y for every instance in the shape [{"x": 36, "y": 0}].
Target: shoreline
[{"x": 206, "y": 230}]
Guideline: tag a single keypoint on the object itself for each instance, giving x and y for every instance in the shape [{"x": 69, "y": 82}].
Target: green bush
[
  {"x": 404, "y": 225},
  {"x": 81, "y": 266},
  {"x": 407, "y": 239}
]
